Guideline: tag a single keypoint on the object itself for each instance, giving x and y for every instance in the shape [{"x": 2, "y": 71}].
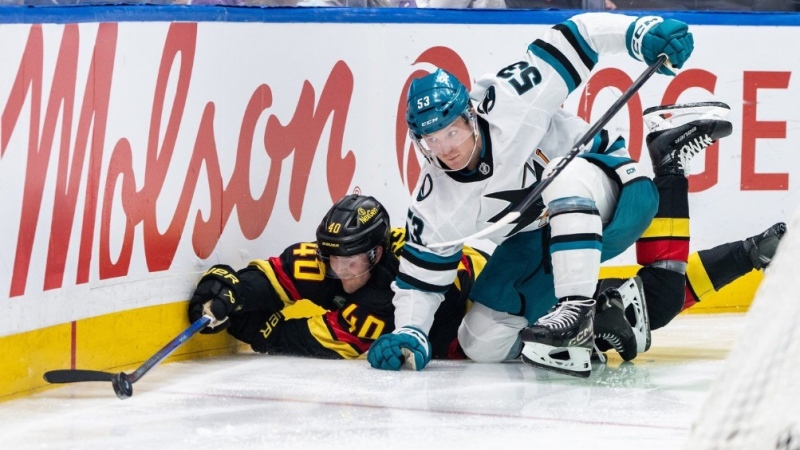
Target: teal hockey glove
[
  {"x": 650, "y": 36},
  {"x": 407, "y": 346}
]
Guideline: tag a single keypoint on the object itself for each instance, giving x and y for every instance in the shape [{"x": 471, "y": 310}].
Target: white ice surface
[{"x": 250, "y": 401}]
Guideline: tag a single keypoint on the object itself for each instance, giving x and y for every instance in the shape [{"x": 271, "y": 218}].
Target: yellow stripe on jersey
[
  {"x": 667, "y": 228},
  {"x": 398, "y": 240},
  {"x": 698, "y": 277},
  {"x": 265, "y": 267},
  {"x": 321, "y": 333},
  {"x": 478, "y": 261}
]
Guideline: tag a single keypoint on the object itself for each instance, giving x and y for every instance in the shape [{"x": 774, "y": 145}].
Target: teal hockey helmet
[{"x": 435, "y": 101}]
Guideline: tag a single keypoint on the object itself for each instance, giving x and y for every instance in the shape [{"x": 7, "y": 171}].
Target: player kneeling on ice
[{"x": 481, "y": 163}]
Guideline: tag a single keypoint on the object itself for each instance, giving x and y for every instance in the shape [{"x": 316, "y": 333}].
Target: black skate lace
[{"x": 692, "y": 149}]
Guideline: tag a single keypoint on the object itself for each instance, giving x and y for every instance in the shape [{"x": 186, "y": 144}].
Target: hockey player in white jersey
[{"x": 483, "y": 161}]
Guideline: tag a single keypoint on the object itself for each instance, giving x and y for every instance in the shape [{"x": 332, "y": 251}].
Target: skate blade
[
  {"x": 664, "y": 117},
  {"x": 634, "y": 303},
  {"x": 574, "y": 361}
]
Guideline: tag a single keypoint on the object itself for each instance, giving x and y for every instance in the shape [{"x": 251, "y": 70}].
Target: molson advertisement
[{"x": 133, "y": 155}]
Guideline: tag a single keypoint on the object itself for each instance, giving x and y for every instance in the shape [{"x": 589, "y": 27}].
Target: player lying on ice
[
  {"x": 348, "y": 271},
  {"x": 351, "y": 277},
  {"x": 535, "y": 297}
]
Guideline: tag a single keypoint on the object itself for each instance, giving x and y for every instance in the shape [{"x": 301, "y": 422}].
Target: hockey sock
[
  {"x": 710, "y": 270},
  {"x": 667, "y": 237},
  {"x": 663, "y": 250}
]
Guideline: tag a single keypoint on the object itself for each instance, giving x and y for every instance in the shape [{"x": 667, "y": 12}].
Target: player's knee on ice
[{"x": 490, "y": 336}]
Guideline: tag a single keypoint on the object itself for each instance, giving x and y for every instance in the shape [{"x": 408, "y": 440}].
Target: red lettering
[
  {"x": 94, "y": 115},
  {"x": 159, "y": 248},
  {"x": 299, "y": 138},
  {"x": 206, "y": 232},
  {"x": 121, "y": 165},
  {"x": 615, "y": 78},
  {"x": 753, "y": 129},
  {"x": 28, "y": 80},
  {"x": 71, "y": 160}
]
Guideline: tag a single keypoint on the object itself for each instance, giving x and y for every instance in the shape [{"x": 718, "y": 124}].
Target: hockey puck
[{"x": 122, "y": 385}]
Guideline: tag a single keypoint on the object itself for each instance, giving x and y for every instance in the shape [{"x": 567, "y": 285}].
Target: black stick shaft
[{"x": 590, "y": 134}]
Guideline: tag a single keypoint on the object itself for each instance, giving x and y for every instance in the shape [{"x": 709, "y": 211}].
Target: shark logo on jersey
[
  {"x": 487, "y": 103},
  {"x": 532, "y": 168},
  {"x": 514, "y": 198},
  {"x": 426, "y": 188}
]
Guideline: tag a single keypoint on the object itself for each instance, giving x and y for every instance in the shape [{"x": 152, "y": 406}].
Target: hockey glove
[
  {"x": 650, "y": 36},
  {"x": 406, "y": 347},
  {"x": 215, "y": 294}
]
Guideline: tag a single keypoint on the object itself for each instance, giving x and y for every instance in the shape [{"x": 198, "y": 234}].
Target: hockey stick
[
  {"x": 529, "y": 199},
  {"x": 122, "y": 382}
]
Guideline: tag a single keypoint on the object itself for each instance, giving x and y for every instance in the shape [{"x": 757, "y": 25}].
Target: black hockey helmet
[{"x": 355, "y": 224}]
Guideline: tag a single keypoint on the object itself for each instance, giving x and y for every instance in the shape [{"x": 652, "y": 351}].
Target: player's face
[
  {"x": 453, "y": 145},
  {"x": 353, "y": 271},
  {"x": 350, "y": 266}
]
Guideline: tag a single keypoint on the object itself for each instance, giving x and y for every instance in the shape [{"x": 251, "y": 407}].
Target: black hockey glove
[{"x": 217, "y": 294}]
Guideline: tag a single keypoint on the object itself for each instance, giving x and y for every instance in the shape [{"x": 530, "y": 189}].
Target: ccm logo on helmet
[{"x": 428, "y": 122}]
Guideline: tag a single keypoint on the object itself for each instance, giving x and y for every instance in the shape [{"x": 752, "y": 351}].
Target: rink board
[{"x": 140, "y": 145}]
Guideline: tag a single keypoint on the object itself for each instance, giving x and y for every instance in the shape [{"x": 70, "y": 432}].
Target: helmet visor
[
  {"x": 346, "y": 267},
  {"x": 442, "y": 142},
  {"x": 448, "y": 138}
]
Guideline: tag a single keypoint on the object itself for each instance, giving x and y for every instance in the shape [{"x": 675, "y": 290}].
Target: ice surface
[{"x": 248, "y": 401}]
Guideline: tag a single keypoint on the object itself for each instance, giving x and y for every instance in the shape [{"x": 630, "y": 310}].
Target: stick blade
[{"x": 76, "y": 376}]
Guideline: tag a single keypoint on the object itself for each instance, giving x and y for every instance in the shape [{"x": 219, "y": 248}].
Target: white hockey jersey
[{"x": 523, "y": 127}]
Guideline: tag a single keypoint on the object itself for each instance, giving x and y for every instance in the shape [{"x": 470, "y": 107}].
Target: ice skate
[
  {"x": 562, "y": 340},
  {"x": 680, "y": 132},
  {"x": 622, "y": 321},
  {"x": 761, "y": 248}
]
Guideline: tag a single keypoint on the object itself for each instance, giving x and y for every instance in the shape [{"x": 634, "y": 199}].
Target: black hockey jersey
[{"x": 352, "y": 321}]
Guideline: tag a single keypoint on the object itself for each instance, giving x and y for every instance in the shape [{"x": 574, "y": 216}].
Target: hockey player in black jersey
[{"x": 348, "y": 271}]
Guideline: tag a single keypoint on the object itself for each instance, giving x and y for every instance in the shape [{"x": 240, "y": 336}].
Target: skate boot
[
  {"x": 680, "y": 132},
  {"x": 621, "y": 320},
  {"x": 761, "y": 247},
  {"x": 562, "y": 340}
]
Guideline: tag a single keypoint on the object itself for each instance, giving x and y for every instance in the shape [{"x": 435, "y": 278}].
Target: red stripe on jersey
[
  {"x": 342, "y": 335},
  {"x": 467, "y": 264},
  {"x": 650, "y": 251},
  {"x": 691, "y": 297},
  {"x": 284, "y": 279}
]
